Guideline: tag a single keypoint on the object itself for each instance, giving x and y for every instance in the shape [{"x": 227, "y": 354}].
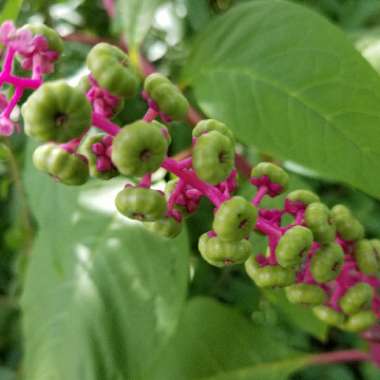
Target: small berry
[
  {"x": 139, "y": 148},
  {"x": 54, "y": 41},
  {"x": 293, "y": 245},
  {"x": 317, "y": 218},
  {"x": 327, "y": 263},
  {"x": 270, "y": 175},
  {"x": 213, "y": 157},
  {"x": 359, "y": 322},
  {"x": 328, "y": 315},
  {"x": 145, "y": 205},
  {"x": 299, "y": 200},
  {"x": 367, "y": 256},
  {"x": 219, "y": 253},
  {"x": 305, "y": 294},
  {"x": 166, "y": 95},
  {"x": 68, "y": 168},
  {"x": 357, "y": 298},
  {"x": 167, "y": 227},
  {"x": 269, "y": 275},
  {"x": 348, "y": 227},
  {"x": 111, "y": 68},
  {"x": 208, "y": 125},
  {"x": 56, "y": 112},
  {"x": 234, "y": 219}
]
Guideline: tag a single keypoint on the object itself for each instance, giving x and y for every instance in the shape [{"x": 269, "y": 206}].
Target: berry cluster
[{"x": 321, "y": 258}]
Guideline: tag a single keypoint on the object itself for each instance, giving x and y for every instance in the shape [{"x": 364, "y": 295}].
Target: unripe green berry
[
  {"x": 305, "y": 294},
  {"x": 317, "y": 218},
  {"x": 327, "y": 262},
  {"x": 86, "y": 150},
  {"x": 328, "y": 315},
  {"x": 357, "y": 298},
  {"x": 208, "y": 125},
  {"x": 360, "y": 322},
  {"x": 54, "y": 41},
  {"x": 303, "y": 196},
  {"x": 234, "y": 219},
  {"x": 213, "y": 157},
  {"x": 270, "y": 275},
  {"x": 56, "y": 112},
  {"x": 167, "y": 227},
  {"x": 366, "y": 256},
  {"x": 348, "y": 227},
  {"x": 220, "y": 253},
  {"x": 68, "y": 168},
  {"x": 275, "y": 174},
  {"x": 111, "y": 68},
  {"x": 293, "y": 245},
  {"x": 166, "y": 95},
  {"x": 138, "y": 148},
  {"x": 142, "y": 204}
]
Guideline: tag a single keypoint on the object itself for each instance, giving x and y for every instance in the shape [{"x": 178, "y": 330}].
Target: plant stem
[
  {"x": 343, "y": 356},
  {"x": 104, "y": 124}
]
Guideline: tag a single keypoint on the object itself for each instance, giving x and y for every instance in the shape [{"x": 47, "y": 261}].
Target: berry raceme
[{"x": 321, "y": 258}]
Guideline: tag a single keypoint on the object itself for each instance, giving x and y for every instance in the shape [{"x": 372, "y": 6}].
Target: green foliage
[
  {"x": 134, "y": 18},
  {"x": 308, "y": 115},
  {"x": 100, "y": 283},
  {"x": 10, "y": 10}
]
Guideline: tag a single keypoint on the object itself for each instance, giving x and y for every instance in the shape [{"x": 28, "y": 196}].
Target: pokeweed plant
[{"x": 321, "y": 257}]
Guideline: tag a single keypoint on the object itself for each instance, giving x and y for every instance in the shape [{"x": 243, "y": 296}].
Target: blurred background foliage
[{"x": 167, "y": 45}]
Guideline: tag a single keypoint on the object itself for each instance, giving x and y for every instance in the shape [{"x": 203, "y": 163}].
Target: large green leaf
[
  {"x": 135, "y": 18},
  {"x": 214, "y": 342},
  {"x": 292, "y": 84},
  {"x": 102, "y": 296},
  {"x": 10, "y": 10}
]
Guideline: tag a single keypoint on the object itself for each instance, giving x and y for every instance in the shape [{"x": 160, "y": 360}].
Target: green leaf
[
  {"x": 10, "y": 10},
  {"x": 102, "y": 295},
  {"x": 214, "y": 342},
  {"x": 135, "y": 18},
  {"x": 289, "y": 82},
  {"x": 297, "y": 315}
]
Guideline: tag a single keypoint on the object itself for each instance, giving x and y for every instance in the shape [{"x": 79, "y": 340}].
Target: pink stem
[
  {"x": 185, "y": 163},
  {"x": 175, "y": 194},
  {"x": 37, "y": 67},
  {"x": 72, "y": 145},
  {"x": 150, "y": 115},
  {"x": 339, "y": 357},
  {"x": 268, "y": 229},
  {"x": 104, "y": 124},
  {"x": 215, "y": 196},
  {"x": 8, "y": 61},
  {"x": 13, "y": 102},
  {"x": 259, "y": 195},
  {"x": 146, "y": 180},
  {"x": 23, "y": 82}
]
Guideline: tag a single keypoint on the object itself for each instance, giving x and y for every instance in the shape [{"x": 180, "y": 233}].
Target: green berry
[
  {"x": 360, "y": 322},
  {"x": 142, "y": 204},
  {"x": 86, "y": 150},
  {"x": 367, "y": 256},
  {"x": 303, "y": 196},
  {"x": 205, "y": 126},
  {"x": 269, "y": 275},
  {"x": 305, "y": 294},
  {"x": 293, "y": 245},
  {"x": 167, "y": 227},
  {"x": 54, "y": 41},
  {"x": 234, "y": 219},
  {"x": 139, "y": 148},
  {"x": 219, "y": 253},
  {"x": 166, "y": 95},
  {"x": 111, "y": 68},
  {"x": 317, "y": 218},
  {"x": 68, "y": 168},
  {"x": 357, "y": 298},
  {"x": 275, "y": 174},
  {"x": 213, "y": 157},
  {"x": 56, "y": 112},
  {"x": 328, "y": 315},
  {"x": 327, "y": 262},
  {"x": 348, "y": 227}
]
